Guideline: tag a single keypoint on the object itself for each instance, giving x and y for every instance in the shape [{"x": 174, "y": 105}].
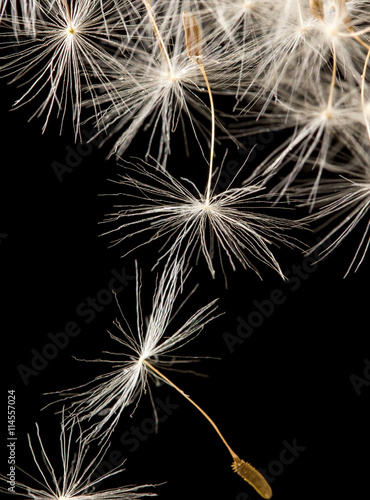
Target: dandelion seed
[
  {"x": 128, "y": 381},
  {"x": 252, "y": 476},
  {"x": 3, "y": 4},
  {"x": 346, "y": 22},
  {"x": 234, "y": 222},
  {"x": 149, "y": 353},
  {"x": 68, "y": 49},
  {"x": 302, "y": 43},
  {"x": 79, "y": 478},
  {"x": 153, "y": 84},
  {"x": 189, "y": 220},
  {"x": 159, "y": 87},
  {"x": 317, "y": 9},
  {"x": 318, "y": 117},
  {"x": 244, "y": 469}
]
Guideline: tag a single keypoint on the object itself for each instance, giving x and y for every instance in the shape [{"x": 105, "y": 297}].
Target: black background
[{"x": 288, "y": 382}]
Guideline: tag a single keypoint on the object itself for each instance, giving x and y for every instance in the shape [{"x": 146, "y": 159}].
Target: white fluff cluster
[
  {"x": 144, "y": 68},
  {"x": 151, "y": 341},
  {"x": 77, "y": 477},
  {"x": 297, "y": 67}
]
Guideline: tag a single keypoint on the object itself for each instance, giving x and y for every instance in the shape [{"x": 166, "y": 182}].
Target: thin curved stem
[
  {"x": 213, "y": 133},
  {"x": 165, "y": 379},
  {"x": 71, "y": 29},
  {"x": 244, "y": 469},
  {"x": 162, "y": 46},
  {"x": 193, "y": 37},
  {"x": 363, "y": 77},
  {"x": 361, "y": 42},
  {"x": 333, "y": 78}
]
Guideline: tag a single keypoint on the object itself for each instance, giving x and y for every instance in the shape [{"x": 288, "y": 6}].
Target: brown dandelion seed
[
  {"x": 244, "y": 469},
  {"x": 252, "y": 476},
  {"x": 317, "y": 9},
  {"x": 193, "y": 36},
  {"x": 342, "y": 10},
  {"x": 71, "y": 29}
]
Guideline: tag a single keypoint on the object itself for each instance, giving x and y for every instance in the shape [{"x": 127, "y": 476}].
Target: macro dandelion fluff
[
  {"x": 342, "y": 205},
  {"x": 79, "y": 478},
  {"x": 327, "y": 106},
  {"x": 3, "y": 4},
  {"x": 231, "y": 221},
  {"x": 151, "y": 350},
  {"x": 159, "y": 88},
  {"x": 239, "y": 24},
  {"x": 12, "y": 9},
  {"x": 234, "y": 222},
  {"x": 141, "y": 71},
  {"x": 68, "y": 52},
  {"x": 303, "y": 41},
  {"x": 316, "y": 118},
  {"x": 240, "y": 20},
  {"x": 124, "y": 386}
]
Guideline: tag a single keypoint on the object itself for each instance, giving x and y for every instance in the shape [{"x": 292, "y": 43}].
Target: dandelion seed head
[
  {"x": 248, "y": 6},
  {"x": 304, "y": 28},
  {"x": 71, "y": 30},
  {"x": 143, "y": 356},
  {"x": 332, "y": 30},
  {"x": 70, "y": 49},
  {"x": 327, "y": 114},
  {"x": 210, "y": 207},
  {"x": 172, "y": 77},
  {"x": 146, "y": 346},
  {"x": 231, "y": 224},
  {"x": 166, "y": 76}
]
